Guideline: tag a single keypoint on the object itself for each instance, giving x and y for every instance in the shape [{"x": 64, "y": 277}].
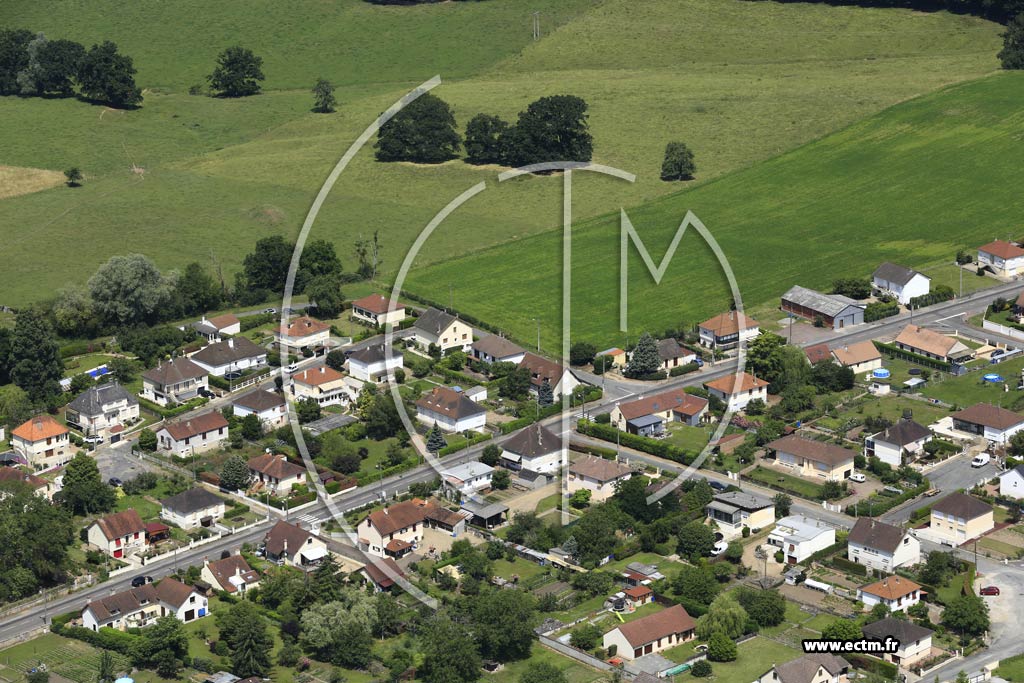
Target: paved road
[{"x": 955, "y": 473}]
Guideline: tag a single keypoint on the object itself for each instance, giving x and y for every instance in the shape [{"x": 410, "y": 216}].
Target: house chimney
[{"x": 231, "y": 343}]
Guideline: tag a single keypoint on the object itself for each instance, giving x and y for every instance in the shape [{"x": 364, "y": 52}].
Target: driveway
[
  {"x": 120, "y": 463},
  {"x": 950, "y": 475}
]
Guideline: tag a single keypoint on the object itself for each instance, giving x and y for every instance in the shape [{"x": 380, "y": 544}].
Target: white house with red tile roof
[
  {"x": 231, "y": 574},
  {"x": 322, "y": 384},
  {"x": 303, "y": 332},
  {"x": 276, "y": 473},
  {"x": 737, "y": 392},
  {"x": 1002, "y": 258},
  {"x": 656, "y": 632},
  {"x": 451, "y": 411},
  {"x": 597, "y": 475},
  {"x": 190, "y": 435},
  {"x": 726, "y": 330},
  {"x": 119, "y": 534},
  {"x": 377, "y": 309},
  {"x": 43, "y": 442},
  {"x": 217, "y": 327}
]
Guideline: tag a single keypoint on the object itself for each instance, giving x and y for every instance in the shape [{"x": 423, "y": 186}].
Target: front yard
[{"x": 780, "y": 480}]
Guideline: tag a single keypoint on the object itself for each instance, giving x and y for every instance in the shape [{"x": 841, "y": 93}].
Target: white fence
[{"x": 1003, "y": 330}]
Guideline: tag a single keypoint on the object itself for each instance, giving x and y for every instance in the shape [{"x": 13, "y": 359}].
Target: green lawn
[
  {"x": 69, "y": 658},
  {"x": 756, "y": 656},
  {"x": 1011, "y": 669},
  {"x": 948, "y": 593},
  {"x": 1001, "y": 547},
  {"x": 79, "y": 364},
  {"x": 524, "y": 569},
  {"x": 890, "y": 407},
  {"x": 574, "y": 671},
  {"x": 248, "y": 167},
  {"x": 969, "y": 389},
  {"x": 690, "y": 438},
  {"x": 796, "y": 485},
  {"x": 551, "y": 502},
  {"x": 888, "y": 157}
]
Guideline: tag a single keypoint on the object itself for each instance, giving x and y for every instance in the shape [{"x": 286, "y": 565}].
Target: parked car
[
  {"x": 981, "y": 460},
  {"x": 990, "y": 590},
  {"x": 699, "y": 362},
  {"x": 717, "y": 485},
  {"x": 115, "y": 482},
  {"x": 292, "y": 368},
  {"x": 206, "y": 393},
  {"x": 270, "y": 310},
  {"x": 893, "y": 490},
  {"x": 858, "y": 477},
  {"x": 720, "y": 547},
  {"x": 141, "y": 580},
  {"x": 93, "y": 439}
]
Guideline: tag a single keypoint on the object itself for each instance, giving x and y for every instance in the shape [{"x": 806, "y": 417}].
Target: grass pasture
[{"x": 737, "y": 86}]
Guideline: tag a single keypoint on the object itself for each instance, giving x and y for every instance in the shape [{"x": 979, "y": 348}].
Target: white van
[{"x": 981, "y": 460}]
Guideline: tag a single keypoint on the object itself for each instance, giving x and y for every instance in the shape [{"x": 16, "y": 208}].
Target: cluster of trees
[
  {"x": 35, "y": 536},
  {"x": 553, "y": 128},
  {"x": 33, "y": 65},
  {"x": 789, "y": 375},
  {"x": 645, "y": 362},
  {"x": 997, "y": 10}
]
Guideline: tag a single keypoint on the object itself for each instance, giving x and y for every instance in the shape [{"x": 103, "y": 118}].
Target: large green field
[
  {"x": 741, "y": 82},
  {"x": 911, "y": 184}
]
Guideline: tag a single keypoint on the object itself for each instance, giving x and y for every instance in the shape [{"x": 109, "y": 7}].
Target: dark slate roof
[
  {"x": 229, "y": 351},
  {"x": 803, "y": 669},
  {"x": 669, "y": 349},
  {"x": 902, "y": 433},
  {"x": 260, "y": 400},
  {"x": 450, "y": 403},
  {"x": 890, "y": 272},
  {"x": 434, "y": 321},
  {"x": 174, "y": 371},
  {"x": 871, "y": 533},
  {"x": 92, "y": 400},
  {"x": 368, "y": 355},
  {"x": 498, "y": 347},
  {"x": 906, "y": 632},
  {"x": 532, "y": 441},
  {"x": 192, "y": 500}
]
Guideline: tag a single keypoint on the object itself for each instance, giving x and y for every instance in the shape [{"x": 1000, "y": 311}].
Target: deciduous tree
[
  {"x": 678, "y": 163},
  {"x": 109, "y": 76},
  {"x": 423, "y": 132},
  {"x": 238, "y": 73},
  {"x": 323, "y": 96},
  {"x": 483, "y": 139},
  {"x": 130, "y": 289}
]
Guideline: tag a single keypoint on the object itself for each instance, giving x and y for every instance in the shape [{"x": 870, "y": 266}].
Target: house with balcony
[
  {"x": 378, "y": 310},
  {"x": 899, "y": 444},
  {"x": 118, "y": 535},
  {"x": 291, "y": 545},
  {"x": 373, "y": 364},
  {"x": 442, "y": 329},
  {"x": 303, "y": 333},
  {"x": 42, "y": 442},
  {"x": 237, "y": 354},
  {"x": 737, "y": 391},
  {"x": 101, "y": 408},
  {"x": 467, "y": 479},
  {"x": 726, "y": 330},
  {"x": 231, "y": 574},
  {"x": 733, "y": 510},
  {"x": 799, "y": 537},
  {"x": 395, "y": 531},
  {"x": 188, "y": 436},
  {"x": 325, "y": 385},
  {"x": 1003, "y": 258},
  {"x": 174, "y": 381},
  {"x": 535, "y": 453}
]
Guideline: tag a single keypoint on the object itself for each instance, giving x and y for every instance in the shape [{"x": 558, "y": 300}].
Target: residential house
[
  {"x": 733, "y": 510},
  {"x": 118, "y": 535},
  {"x": 1002, "y": 258},
  {"x": 816, "y": 353},
  {"x": 727, "y": 330},
  {"x": 656, "y": 632},
  {"x": 902, "y": 283},
  {"x": 190, "y": 435},
  {"x": 378, "y": 310},
  {"x": 617, "y": 355},
  {"x": 42, "y": 442},
  {"x": 383, "y": 573},
  {"x": 451, "y": 411},
  {"x": 984, "y": 419},
  {"x": 142, "y": 606},
  {"x": 216, "y": 328},
  {"x": 98, "y": 409},
  {"x": 467, "y": 479},
  {"x": 442, "y": 329},
  {"x": 184, "y": 602},
  {"x": 236, "y": 354},
  {"x": 799, "y": 537},
  {"x": 814, "y": 668},
  {"x": 895, "y": 592},
  {"x": 372, "y": 364},
  {"x": 860, "y": 357},
  {"x": 561, "y": 379},
  {"x": 303, "y": 333},
  {"x": 925, "y": 342},
  {"x": 291, "y": 545},
  {"x": 673, "y": 354},
  {"x": 268, "y": 406},
  {"x": 597, "y": 475},
  {"x": 174, "y": 381},
  {"x": 476, "y": 394},
  {"x": 834, "y": 310},
  {"x": 192, "y": 508},
  {"x": 230, "y": 574},
  {"x": 915, "y": 642},
  {"x": 495, "y": 349},
  {"x": 273, "y": 472},
  {"x": 958, "y": 518},
  {"x": 737, "y": 392},
  {"x": 396, "y": 531},
  {"x": 638, "y": 596},
  {"x": 814, "y": 459},
  {"x": 898, "y": 444},
  {"x": 1011, "y": 483},
  {"x": 882, "y": 546},
  {"x": 1018, "y": 308},
  {"x": 13, "y": 476},
  {"x": 534, "y": 452},
  {"x": 669, "y": 406},
  {"x": 324, "y": 385}
]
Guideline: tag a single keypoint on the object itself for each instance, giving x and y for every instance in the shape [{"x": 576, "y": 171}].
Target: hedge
[
  {"x": 877, "y": 310},
  {"x": 874, "y": 505},
  {"x": 251, "y": 322},
  {"x": 79, "y": 348},
  {"x": 938, "y": 295},
  {"x": 527, "y": 420},
  {"x": 826, "y": 552},
  {"x": 683, "y": 369},
  {"x": 920, "y": 513},
  {"x": 374, "y": 476},
  {"x": 661, "y": 449},
  {"x": 456, "y": 376},
  {"x": 167, "y": 413},
  {"x": 293, "y": 501},
  {"x": 877, "y": 666},
  {"x": 850, "y": 566},
  {"x": 471, "y": 441},
  {"x": 893, "y": 350},
  {"x": 607, "y": 453},
  {"x": 106, "y": 637}
]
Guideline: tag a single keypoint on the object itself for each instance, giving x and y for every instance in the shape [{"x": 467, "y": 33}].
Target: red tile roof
[
  {"x": 675, "y": 619},
  {"x": 1002, "y": 249},
  {"x": 725, "y": 324},
  {"x": 194, "y": 426},
  {"x": 38, "y": 428},
  {"x": 276, "y": 466},
  {"x": 676, "y": 400},
  {"x": 314, "y": 377},
  {"x": 303, "y": 326},
  {"x": 376, "y": 304},
  {"x": 730, "y": 384},
  {"x": 121, "y": 524}
]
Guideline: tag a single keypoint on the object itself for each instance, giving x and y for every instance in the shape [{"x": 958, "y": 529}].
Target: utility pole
[
  {"x": 537, "y": 320},
  {"x": 536, "y": 25},
  {"x": 961, "y": 280}
]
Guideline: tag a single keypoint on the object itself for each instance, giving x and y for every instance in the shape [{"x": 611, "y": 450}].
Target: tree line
[{"x": 32, "y": 65}]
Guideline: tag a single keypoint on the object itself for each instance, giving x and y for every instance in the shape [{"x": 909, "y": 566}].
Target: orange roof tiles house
[
  {"x": 671, "y": 406},
  {"x": 813, "y": 459},
  {"x": 597, "y": 475},
  {"x": 656, "y": 632},
  {"x": 737, "y": 392},
  {"x": 925, "y": 342},
  {"x": 322, "y": 384},
  {"x": 394, "y": 531},
  {"x": 895, "y": 592},
  {"x": 726, "y": 330},
  {"x": 377, "y": 309},
  {"x": 43, "y": 442},
  {"x": 860, "y": 357},
  {"x": 189, "y": 435},
  {"x": 303, "y": 332},
  {"x": 1002, "y": 258}
]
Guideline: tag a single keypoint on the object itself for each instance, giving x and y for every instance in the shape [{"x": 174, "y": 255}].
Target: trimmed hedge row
[
  {"x": 168, "y": 413},
  {"x": 661, "y": 449},
  {"x": 106, "y": 637},
  {"x": 527, "y": 420},
  {"x": 471, "y": 441},
  {"x": 877, "y": 666},
  {"x": 606, "y": 453},
  {"x": 893, "y": 350},
  {"x": 683, "y": 369},
  {"x": 849, "y": 566},
  {"x": 874, "y": 506}
]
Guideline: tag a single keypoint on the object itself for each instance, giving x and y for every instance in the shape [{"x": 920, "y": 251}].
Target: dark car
[
  {"x": 114, "y": 481},
  {"x": 206, "y": 393},
  {"x": 990, "y": 590},
  {"x": 717, "y": 485},
  {"x": 141, "y": 581}
]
